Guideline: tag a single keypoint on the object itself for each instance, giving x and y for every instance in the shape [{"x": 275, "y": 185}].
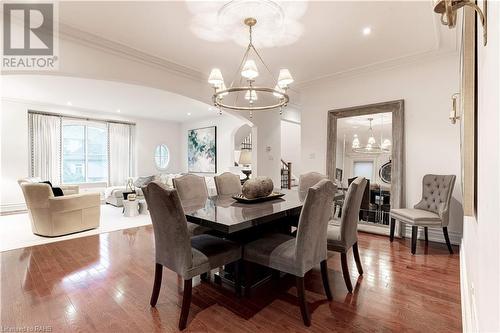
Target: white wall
[
  {"x": 290, "y": 145},
  {"x": 266, "y": 137},
  {"x": 480, "y": 251},
  {"x": 227, "y": 126},
  {"x": 432, "y": 143},
  {"x": 15, "y": 151}
]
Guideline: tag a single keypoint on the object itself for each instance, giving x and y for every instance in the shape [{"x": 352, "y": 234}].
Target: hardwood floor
[{"x": 104, "y": 283}]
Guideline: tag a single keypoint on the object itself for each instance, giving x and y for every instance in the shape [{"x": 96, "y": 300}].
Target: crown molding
[
  {"x": 97, "y": 42},
  {"x": 427, "y": 56}
]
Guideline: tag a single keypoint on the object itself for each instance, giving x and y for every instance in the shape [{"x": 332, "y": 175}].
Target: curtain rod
[{"x": 81, "y": 118}]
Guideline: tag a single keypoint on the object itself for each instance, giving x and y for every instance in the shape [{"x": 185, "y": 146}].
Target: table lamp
[{"x": 246, "y": 160}]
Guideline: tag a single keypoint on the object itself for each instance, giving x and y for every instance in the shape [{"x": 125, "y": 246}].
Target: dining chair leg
[
  {"x": 345, "y": 271},
  {"x": 304, "y": 309},
  {"x": 355, "y": 251},
  {"x": 414, "y": 233},
  {"x": 393, "y": 227},
  {"x": 426, "y": 235},
  {"x": 447, "y": 238},
  {"x": 186, "y": 303},
  {"x": 156, "y": 284},
  {"x": 326, "y": 283}
]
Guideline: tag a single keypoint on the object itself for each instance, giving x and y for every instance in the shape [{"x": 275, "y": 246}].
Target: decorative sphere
[{"x": 257, "y": 187}]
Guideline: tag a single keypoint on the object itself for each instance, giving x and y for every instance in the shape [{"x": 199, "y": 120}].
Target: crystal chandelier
[
  {"x": 270, "y": 98},
  {"x": 371, "y": 146}
]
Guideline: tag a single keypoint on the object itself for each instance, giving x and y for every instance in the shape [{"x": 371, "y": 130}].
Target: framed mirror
[
  {"x": 162, "y": 157},
  {"x": 468, "y": 106},
  {"x": 368, "y": 141}
]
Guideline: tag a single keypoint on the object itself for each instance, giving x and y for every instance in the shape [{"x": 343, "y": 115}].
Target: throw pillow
[
  {"x": 57, "y": 191},
  {"x": 143, "y": 181}
]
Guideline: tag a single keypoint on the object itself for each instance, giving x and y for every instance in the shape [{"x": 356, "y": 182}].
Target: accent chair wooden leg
[
  {"x": 355, "y": 251},
  {"x": 326, "y": 283},
  {"x": 426, "y": 235},
  {"x": 186, "y": 303},
  {"x": 393, "y": 227},
  {"x": 156, "y": 284},
  {"x": 414, "y": 234},
  {"x": 304, "y": 309},
  {"x": 447, "y": 238},
  {"x": 345, "y": 271}
]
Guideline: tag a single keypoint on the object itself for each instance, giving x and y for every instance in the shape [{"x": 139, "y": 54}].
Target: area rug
[{"x": 15, "y": 230}]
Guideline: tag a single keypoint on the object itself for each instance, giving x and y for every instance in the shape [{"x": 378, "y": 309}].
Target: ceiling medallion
[
  {"x": 231, "y": 98},
  {"x": 371, "y": 146}
]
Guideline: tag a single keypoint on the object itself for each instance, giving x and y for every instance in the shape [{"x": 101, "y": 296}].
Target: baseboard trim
[
  {"x": 436, "y": 235},
  {"x": 469, "y": 317},
  {"x": 7, "y": 209}
]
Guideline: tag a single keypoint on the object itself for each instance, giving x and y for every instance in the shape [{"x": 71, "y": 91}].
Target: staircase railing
[{"x": 286, "y": 174}]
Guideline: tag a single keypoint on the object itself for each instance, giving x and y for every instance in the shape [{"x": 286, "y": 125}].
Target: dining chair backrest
[
  {"x": 310, "y": 248},
  {"x": 308, "y": 180},
  {"x": 436, "y": 195},
  {"x": 366, "y": 199},
  {"x": 190, "y": 187},
  {"x": 172, "y": 240},
  {"x": 350, "y": 211},
  {"x": 227, "y": 184}
]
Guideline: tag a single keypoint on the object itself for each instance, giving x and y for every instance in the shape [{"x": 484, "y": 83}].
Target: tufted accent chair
[{"x": 432, "y": 211}]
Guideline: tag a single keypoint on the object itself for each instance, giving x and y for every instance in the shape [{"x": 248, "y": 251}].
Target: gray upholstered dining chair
[
  {"x": 308, "y": 180},
  {"x": 192, "y": 188},
  {"x": 227, "y": 184},
  {"x": 299, "y": 255},
  {"x": 432, "y": 211},
  {"x": 344, "y": 236},
  {"x": 177, "y": 250}
]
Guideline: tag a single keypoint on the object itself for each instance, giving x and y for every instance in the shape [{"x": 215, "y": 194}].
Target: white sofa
[{"x": 114, "y": 194}]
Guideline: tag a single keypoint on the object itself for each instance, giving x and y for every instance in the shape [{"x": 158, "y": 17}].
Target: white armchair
[{"x": 56, "y": 216}]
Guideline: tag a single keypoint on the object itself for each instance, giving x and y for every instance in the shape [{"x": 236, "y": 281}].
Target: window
[
  {"x": 363, "y": 169},
  {"x": 84, "y": 152},
  {"x": 162, "y": 157}
]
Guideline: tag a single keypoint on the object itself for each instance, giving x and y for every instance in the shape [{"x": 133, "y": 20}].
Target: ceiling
[
  {"x": 329, "y": 34},
  {"x": 104, "y": 97}
]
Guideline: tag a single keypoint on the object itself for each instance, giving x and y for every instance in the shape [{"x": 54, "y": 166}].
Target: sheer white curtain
[
  {"x": 45, "y": 147},
  {"x": 121, "y": 153}
]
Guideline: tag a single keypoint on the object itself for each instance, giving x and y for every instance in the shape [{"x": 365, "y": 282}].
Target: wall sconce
[
  {"x": 448, "y": 10},
  {"x": 453, "y": 113}
]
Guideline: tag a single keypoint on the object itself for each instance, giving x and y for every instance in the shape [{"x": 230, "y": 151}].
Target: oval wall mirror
[
  {"x": 162, "y": 156},
  {"x": 385, "y": 172}
]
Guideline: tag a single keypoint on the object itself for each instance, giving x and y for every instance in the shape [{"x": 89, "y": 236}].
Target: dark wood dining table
[{"x": 224, "y": 214}]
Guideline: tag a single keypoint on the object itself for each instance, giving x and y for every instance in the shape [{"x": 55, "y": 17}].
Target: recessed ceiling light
[
  {"x": 367, "y": 31},
  {"x": 189, "y": 113},
  {"x": 118, "y": 111},
  {"x": 69, "y": 103}
]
